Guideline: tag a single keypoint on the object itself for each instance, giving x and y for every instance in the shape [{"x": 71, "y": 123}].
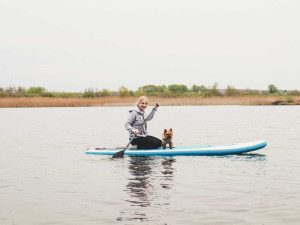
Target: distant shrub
[
  {"x": 278, "y": 94},
  {"x": 289, "y": 98},
  {"x": 19, "y": 95},
  {"x": 173, "y": 90},
  {"x": 66, "y": 95},
  {"x": 272, "y": 89},
  {"x": 123, "y": 91},
  {"x": 47, "y": 94},
  {"x": 131, "y": 93},
  {"x": 294, "y": 93},
  {"x": 152, "y": 90},
  {"x": 178, "y": 88},
  {"x": 3, "y": 94},
  {"x": 250, "y": 92},
  {"x": 35, "y": 91},
  {"x": 231, "y": 91},
  {"x": 214, "y": 91},
  {"x": 12, "y": 92},
  {"x": 190, "y": 94},
  {"x": 167, "y": 94},
  {"x": 140, "y": 93},
  {"x": 206, "y": 94},
  {"x": 89, "y": 94},
  {"x": 105, "y": 93},
  {"x": 20, "y": 92},
  {"x": 198, "y": 89}
]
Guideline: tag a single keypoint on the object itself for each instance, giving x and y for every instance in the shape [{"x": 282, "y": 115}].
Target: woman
[{"x": 133, "y": 125}]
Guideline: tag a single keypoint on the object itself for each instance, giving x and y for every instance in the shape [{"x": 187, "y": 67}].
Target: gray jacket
[{"x": 135, "y": 120}]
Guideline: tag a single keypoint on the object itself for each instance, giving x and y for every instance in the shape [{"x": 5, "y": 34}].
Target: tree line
[{"x": 173, "y": 90}]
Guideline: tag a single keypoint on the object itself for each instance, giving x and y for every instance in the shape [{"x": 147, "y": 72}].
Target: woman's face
[{"x": 143, "y": 105}]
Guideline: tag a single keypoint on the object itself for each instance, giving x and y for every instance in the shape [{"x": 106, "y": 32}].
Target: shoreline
[{"x": 130, "y": 101}]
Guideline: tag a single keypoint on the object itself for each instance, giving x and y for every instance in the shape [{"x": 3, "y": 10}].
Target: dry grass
[{"x": 129, "y": 101}]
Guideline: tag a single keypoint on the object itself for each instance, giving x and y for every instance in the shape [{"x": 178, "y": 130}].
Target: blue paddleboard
[{"x": 225, "y": 149}]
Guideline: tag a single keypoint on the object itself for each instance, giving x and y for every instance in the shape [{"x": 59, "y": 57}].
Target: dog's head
[{"x": 168, "y": 134}]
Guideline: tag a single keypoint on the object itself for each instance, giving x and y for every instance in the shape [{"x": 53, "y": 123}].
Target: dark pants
[{"x": 148, "y": 142}]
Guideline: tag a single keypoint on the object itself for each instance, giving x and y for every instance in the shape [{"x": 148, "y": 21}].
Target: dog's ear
[
  {"x": 165, "y": 131},
  {"x": 170, "y": 129}
]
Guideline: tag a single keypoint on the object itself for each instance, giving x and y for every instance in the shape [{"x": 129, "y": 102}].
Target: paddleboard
[{"x": 215, "y": 149}]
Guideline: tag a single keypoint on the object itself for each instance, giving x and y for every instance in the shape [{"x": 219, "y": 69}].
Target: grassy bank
[{"x": 129, "y": 101}]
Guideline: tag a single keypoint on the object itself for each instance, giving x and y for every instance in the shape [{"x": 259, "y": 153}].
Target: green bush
[
  {"x": 190, "y": 94},
  {"x": 213, "y": 91},
  {"x": 198, "y": 89},
  {"x": 250, "y": 92},
  {"x": 206, "y": 94},
  {"x": 35, "y": 91},
  {"x": 167, "y": 94},
  {"x": 105, "y": 93},
  {"x": 178, "y": 88},
  {"x": 272, "y": 89},
  {"x": 3, "y": 94},
  {"x": 131, "y": 93},
  {"x": 152, "y": 90},
  {"x": 47, "y": 94},
  {"x": 140, "y": 93},
  {"x": 173, "y": 90},
  {"x": 65, "y": 95},
  {"x": 231, "y": 91},
  {"x": 123, "y": 91},
  {"x": 294, "y": 93},
  {"x": 89, "y": 94}
]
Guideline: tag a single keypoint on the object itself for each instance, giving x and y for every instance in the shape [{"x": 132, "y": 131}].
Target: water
[{"x": 46, "y": 178}]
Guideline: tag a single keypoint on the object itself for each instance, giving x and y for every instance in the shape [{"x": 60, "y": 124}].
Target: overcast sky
[{"x": 71, "y": 45}]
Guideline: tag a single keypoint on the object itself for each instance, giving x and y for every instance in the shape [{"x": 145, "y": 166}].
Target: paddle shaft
[{"x": 120, "y": 154}]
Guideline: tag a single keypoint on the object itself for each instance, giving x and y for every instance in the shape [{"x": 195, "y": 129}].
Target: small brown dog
[{"x": 167, "y": 138}]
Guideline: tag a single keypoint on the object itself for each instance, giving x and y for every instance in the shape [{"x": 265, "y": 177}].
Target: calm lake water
[{"x": 46, "y": 177}]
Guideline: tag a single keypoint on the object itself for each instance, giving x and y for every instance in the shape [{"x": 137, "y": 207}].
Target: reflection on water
[
  {"x": 167, "y": 173},
  {"x": 139, "y": 184},
  {"x": 150, "y": 176},
  {"x": 246, "y": 157}
]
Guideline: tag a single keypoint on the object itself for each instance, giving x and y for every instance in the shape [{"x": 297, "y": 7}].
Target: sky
[{"x": 72, "y": 45}]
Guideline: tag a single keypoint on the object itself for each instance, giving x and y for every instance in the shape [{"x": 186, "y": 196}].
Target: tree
[
  {"x": 89, "y": 93},
  {"x": 178, "y": 88},
  {"x": 214, "y": 91},
  {"x": 35, "y": 91},
  {"x": 198, "y": 89},
  {"x": 123, "y": 91},
  {"x": 272, "y": 89},
  {"x": 104, "y": 93},
  {"x": 148, "y": 89},
  {"x": 161, "y": 88},
  {"x": 152, "y": 90},
  {"x": 231, "y": 91},
  {"x": 294, "y": 93}
]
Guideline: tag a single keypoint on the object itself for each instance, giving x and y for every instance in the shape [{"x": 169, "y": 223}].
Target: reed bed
[{"x": 129, "y": 101}]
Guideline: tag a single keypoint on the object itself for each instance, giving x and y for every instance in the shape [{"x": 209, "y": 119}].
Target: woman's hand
[{"x": 136, "y": 131}]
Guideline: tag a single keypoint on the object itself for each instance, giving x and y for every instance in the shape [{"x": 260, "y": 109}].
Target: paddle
[{"x": 120, "y": 154}]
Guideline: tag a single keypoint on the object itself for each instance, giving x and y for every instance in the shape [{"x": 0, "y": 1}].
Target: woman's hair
[{"x": 142, "y": 98}]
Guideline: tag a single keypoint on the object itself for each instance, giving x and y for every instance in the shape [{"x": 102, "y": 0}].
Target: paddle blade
[{"x": 119, "y": 154}]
